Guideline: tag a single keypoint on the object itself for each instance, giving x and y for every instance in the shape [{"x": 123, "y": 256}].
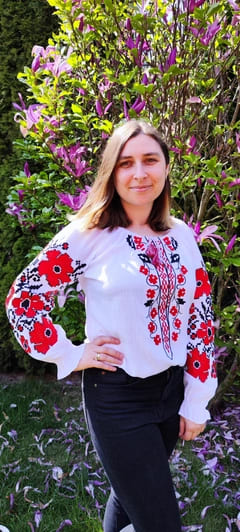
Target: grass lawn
[{"x": 51, "y": 480}]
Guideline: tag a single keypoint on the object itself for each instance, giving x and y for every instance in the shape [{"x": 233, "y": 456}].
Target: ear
[{"x": 167, "y": 170}]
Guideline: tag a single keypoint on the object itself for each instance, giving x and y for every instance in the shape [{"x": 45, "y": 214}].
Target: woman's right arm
[{"x": 32, "y": 298}]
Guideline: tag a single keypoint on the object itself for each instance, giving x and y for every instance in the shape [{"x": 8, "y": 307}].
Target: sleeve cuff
[{"x": 67, "y": 364}]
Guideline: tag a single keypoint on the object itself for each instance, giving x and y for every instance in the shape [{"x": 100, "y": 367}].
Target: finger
[
  {"x": 181, "y": 427},
  {"x": 101, "y": 340},
  {"x": 115, "y": 358},
  {"x": 106, "y": 366}
]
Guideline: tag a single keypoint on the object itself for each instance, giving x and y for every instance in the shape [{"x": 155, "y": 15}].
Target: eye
[
  {"x": 151, "y": 160},
  {"x": 124, "y": 164}
]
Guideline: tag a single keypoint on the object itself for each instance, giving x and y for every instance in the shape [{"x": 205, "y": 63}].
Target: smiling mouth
[{"x": 141, "y": 188}]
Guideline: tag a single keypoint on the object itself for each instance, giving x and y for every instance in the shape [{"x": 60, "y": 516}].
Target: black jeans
[{"x": 134, "y": 426}]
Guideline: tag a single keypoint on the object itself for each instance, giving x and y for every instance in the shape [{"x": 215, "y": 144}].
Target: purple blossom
[
  {"x": 191, "y": 145},
  {"x": 194, "y": 99},
  {"x": 20, "y": 194},
  {"x": 128, "y": 24},
  {"x": 27, "y": 170},
  {"x": 171, "y": 60},
  {"x": 218, "y": 200},
  {"x": 234, "y": 5},
  {"x": 71, "y": 156},
  {"x": 235, "y": 183},
  {"x": 38, "y": 517},
  {"x": 211, "y": 31},
  {"x": 145, "y": 79},
  {"x": 74, "y": 202},
  {"x": 191, "y": 4},
  {"x": 58, "y": 66},
  {"x": 99, "y": 108},
  {"x": 16, "y": 210},
  {"x": 138, "y": 105},
  {"x": 230, "y": 244},
  {"x": 206, "y": 234},
  {"x": 36, "y": 63},
  {"x": 64, "y": 523},
  {"x": 81, "y": 23}
]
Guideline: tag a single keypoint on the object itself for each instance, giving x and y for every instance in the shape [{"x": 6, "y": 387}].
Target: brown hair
[{"x": 103, "y": 206}]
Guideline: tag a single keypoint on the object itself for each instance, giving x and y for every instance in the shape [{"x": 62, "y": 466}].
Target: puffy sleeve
[
  {"x": 31, "y": 299},
  {"x": 200, "y": 371}
]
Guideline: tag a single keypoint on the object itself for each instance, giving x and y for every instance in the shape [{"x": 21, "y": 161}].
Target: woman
[{"x": 148, "y": 316}]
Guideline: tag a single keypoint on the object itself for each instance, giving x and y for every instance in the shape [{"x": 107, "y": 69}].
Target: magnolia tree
[{"x": 175, "y": 64}]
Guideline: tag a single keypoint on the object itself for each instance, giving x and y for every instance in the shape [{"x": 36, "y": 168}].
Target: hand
[
  {"x": 189, "y": 430},
  {"x": 97, "y": 355}
]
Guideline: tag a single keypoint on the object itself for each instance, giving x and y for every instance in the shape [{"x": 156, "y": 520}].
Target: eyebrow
[{"x": 144, "y": 155}]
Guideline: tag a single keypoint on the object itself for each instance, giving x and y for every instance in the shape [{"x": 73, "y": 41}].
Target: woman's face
[{"x": 140, "y": 172}]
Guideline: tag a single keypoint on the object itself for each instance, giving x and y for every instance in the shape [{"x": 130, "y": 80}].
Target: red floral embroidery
[
  {"x": 181, "y": 292},
  {"x": 180, "y": 278},
  {"x": 198, "y": 365},
  {"x": 144, "y": 270},
  {"x": 57, "y": 267},
  {"x": 175, "y": 336},
  {"x": 152, "y": 327},
  {"x": 157, "y": 339},
  {"x": 177, "y": 323},
  {"x": 138, "y": 241},
  {"x": 214, "y": 370},
  {"x": 25, "y": 345},
  {"x": 27, "y": 304},
  {"x": 151, "y": 294},
  {"x": 184, "y": 269},
  {"x": 43, "y": 335},
  {"x": 152, "y": 279},
  {"x": 10, "y": 294},
  {"x": 206, "y": 332},
  {"x": 153, "y": 313},
  {"x": 203, "y": 285},
  {"x": 173, "y": 311}
]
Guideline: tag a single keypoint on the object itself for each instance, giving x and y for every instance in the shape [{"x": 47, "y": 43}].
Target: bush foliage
[{"x": 172, "y": 63}]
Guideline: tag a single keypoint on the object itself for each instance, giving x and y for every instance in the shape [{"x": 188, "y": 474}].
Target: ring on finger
[{"x": 98, "y": 357}]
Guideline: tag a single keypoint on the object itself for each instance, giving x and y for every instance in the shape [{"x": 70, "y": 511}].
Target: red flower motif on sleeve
[
  {"x": 10, "y": 294},
  {"x": 25, "y": 344},
  {"x": 43, "y": 335},
  {"x": 198, "y": 365},
  {"x": 203, "y": 285},
  {"x": 206, "y": 332},
  {"x": 27, "y": 304},
  {"x": 57, "y": 267}
]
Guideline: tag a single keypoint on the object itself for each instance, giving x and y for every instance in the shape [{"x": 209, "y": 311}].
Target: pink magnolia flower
[
  {"x": 171, "y": 60},
  {"x": 211, "y": 31},
  {"x": 230, "y": 244},
  {"x": 76, "y": 201},
  {"x": 207, "y": 234}
]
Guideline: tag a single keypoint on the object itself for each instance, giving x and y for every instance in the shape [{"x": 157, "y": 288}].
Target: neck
[{"x": 138, "y": 215}]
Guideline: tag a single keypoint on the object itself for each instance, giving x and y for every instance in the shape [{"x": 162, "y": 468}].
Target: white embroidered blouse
[{"x": 151, "y": 292}]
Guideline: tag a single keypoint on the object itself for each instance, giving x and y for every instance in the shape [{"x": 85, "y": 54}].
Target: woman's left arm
[{"x": 200, "y": 380}]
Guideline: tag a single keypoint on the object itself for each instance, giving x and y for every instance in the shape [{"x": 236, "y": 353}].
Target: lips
[{"x": 141, "y": 188}]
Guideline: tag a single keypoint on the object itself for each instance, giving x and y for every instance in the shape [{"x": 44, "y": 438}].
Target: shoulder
[{"x": 181, "y": 227}]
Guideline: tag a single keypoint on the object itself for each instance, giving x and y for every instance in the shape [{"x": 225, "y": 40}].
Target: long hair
[{"x": 103, "y": 206}]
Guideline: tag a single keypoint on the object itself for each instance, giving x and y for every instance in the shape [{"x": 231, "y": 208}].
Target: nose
[{"x": 139, "y": 171}]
